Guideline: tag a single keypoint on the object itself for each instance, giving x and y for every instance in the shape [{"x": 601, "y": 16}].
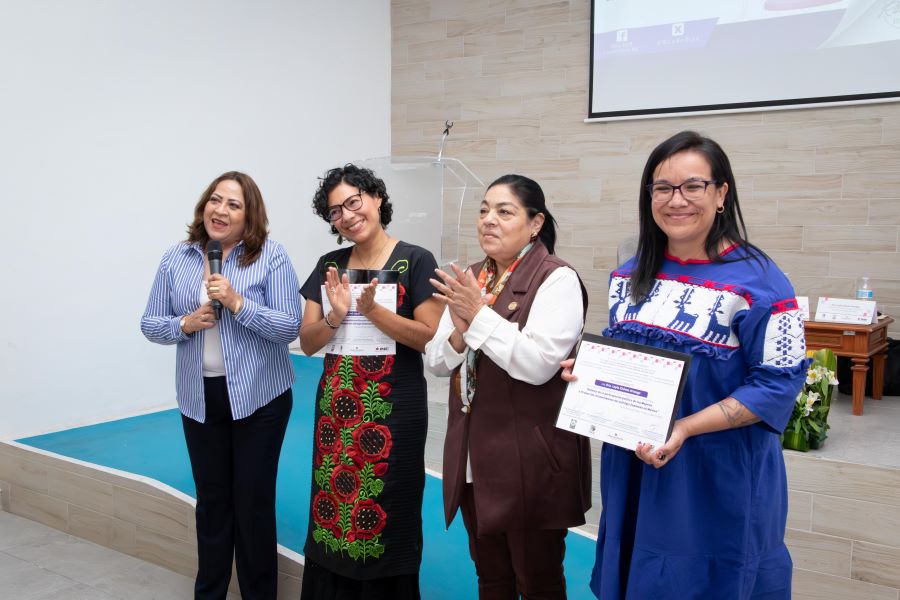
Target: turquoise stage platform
[{"x": 153, "y": 445}]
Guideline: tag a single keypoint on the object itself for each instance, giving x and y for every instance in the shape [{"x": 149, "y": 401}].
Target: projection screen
[{"x": 664, "y": 57}]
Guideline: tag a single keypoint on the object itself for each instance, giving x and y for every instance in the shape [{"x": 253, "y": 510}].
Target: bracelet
[
  {"x": 330, "y": 326},
  {"x": 182, "y": 324},
  {"x": 239, "y": 306}
]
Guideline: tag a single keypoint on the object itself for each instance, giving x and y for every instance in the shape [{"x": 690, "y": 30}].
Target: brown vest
[{"x": 527, "y": 473}]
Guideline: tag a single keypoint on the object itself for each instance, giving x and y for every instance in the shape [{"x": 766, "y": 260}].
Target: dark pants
[
  {"x": 235, "y": 464},
  {"x": 527, "y": 563}
]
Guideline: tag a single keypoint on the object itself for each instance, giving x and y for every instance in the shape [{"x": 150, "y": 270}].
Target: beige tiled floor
[{"x": 41, "y": 563}]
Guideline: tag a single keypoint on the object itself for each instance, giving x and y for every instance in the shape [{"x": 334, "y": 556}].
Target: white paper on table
[
  {"x": 803, "y": 304},
  {"x": 626, "y": 393},
  {"x": 357, "y": 335},
  {"x": 845, "y": 310}
]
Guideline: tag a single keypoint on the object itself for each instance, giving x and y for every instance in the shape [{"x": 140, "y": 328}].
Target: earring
[
  {"x": 534, "y": 236},
  {"x": 340, "y": 239},
  {"x": 721, "y": 209}
]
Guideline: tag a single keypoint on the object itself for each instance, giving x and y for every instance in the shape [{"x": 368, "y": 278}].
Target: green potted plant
[
  {"x": 821, "y": 379},
  {"x": 808, "y": 426}
]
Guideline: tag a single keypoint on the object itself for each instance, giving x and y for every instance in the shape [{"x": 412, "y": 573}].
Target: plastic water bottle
[{"x": 863, "y": 291}]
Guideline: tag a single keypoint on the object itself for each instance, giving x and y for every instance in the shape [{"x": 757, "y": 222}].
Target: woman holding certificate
[
  {"x": 703, "y": 515},
  {"x": 510, "y": 318},
  {"x": 365, "y": 525}
]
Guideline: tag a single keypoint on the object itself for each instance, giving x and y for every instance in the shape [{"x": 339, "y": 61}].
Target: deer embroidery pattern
[
  {"x": 717, "y": 333},
  {"x": 633, "y": 309},
  {"x": 622, "y": 294},
  {"x": 683, "y": 321}
]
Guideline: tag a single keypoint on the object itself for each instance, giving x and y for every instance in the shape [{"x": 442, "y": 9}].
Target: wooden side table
[{"x": 860, "y": 343}]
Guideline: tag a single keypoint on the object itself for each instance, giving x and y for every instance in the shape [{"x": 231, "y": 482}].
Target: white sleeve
[
  {"x": 554, "y": 323},
  {"x": 440, "y": 357}
]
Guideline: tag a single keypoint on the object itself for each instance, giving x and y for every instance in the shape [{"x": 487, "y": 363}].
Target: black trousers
[
  {"x": 515, "y": 564},
  {"x": 235, "y": 464}
]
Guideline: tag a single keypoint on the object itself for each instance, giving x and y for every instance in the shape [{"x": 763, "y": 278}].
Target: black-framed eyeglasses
[
  {"x": 692, "y": 189},
  {"x": 353, "y": 203}
]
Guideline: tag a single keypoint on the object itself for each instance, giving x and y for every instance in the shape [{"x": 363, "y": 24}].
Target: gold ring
[{"x": 213, "y": 288}]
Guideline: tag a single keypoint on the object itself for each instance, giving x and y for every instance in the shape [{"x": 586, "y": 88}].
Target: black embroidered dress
[{"x": 369, "y": 442}]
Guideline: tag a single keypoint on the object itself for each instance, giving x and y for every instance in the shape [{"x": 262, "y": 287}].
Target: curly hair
[
  {"x": 361, "y": 178},
  {"x": 256, "y": 222}
]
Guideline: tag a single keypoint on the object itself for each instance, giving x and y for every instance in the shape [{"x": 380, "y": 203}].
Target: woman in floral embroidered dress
[{"x": 365, "y": 526}]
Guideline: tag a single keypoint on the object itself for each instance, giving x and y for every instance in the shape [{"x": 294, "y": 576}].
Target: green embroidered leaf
[
  {"x": 377, "y": 549},
  {"x": 381, "y": 409},
  {"x": 365, "y": 477},
  {"x": 375, "y": 487},
  {"x": 347, "y": 436},
  {"x": 344, "y": 519},
  {"x": 346, "y": 372},
  {"x": 323, "y": 473},
  {"x": 354, "y": 550}
]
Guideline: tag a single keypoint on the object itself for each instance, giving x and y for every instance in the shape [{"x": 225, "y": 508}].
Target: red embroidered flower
[
  {"x": 360, "y": 384},
  {"x": 401, "y": 294},
  {"x": 380, "y": 469},
  {"x": 328, "y": 437},
  {"x": 335, "y": 382},
  {"x": 332, "y": 363},
  {"x": 373, "y": 367},
  {"x": 346, "y": 407},
  {"x": 372, "y": 442},
  {"x": 367, "y": 520},
  {"x": 345, "y": 483},
  {"x": 325, "y": 510}
]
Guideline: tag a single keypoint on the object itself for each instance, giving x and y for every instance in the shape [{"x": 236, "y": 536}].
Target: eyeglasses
[
  {"x": 692, "y": 189},
  {"x": 353, "y": 203}
]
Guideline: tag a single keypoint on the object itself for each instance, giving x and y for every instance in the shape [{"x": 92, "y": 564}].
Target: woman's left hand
[
  {"x": 219, "y": 288},
  {"x": 660, "y": 457},
  {"x": 460, "y": 293},
  {"x": 366, "y": 301}
]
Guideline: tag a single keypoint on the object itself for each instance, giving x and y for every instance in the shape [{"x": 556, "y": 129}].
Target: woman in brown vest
[{"x": 510, "y": 319}]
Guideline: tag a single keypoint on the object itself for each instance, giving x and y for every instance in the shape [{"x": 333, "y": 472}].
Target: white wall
[{"x": 114, "y": 116}]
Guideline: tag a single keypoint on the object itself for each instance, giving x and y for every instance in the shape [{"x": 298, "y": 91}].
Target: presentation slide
[{"x": 660, "y": 57}]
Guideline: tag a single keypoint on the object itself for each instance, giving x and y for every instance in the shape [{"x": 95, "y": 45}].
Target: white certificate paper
[
  {"x": 626, "y": 393},
  {"x": 845, "y": 310},
  {"x": 357, "y": 335}
]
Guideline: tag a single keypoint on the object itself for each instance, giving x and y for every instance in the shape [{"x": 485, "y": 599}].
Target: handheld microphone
[{"x": 214, "y": 255}]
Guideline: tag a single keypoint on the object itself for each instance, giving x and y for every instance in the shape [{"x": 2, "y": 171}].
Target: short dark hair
[
  {"x": 728, "y": 225},
  {"x": 256, "y": 223},
  {"x": 532, "y": 198},
  {"x": 358, "y": 177}
]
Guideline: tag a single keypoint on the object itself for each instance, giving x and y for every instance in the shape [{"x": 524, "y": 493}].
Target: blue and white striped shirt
[{"x": 255, "y": 342}]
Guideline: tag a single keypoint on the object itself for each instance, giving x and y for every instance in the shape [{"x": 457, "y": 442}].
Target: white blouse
[{"x": 531, "y": 354}]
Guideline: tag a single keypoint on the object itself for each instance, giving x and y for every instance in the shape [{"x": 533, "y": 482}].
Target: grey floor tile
[
  {"x": 78, "y": 591},
  {"x": 145, "y": 581},
  {"x": 21, "y": 580},
  {"x": 74, "y": 558},
  {"x": 16, "y": 531}
]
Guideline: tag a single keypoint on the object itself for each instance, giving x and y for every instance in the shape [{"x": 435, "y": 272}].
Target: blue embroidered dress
[{"x": 710, "y": 524}]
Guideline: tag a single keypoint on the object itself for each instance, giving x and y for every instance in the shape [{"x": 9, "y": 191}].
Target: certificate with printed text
[
  {"x": 626, "y": 393},
  {"x": 357, "y": 335}
]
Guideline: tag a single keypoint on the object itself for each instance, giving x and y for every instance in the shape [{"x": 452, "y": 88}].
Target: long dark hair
[
  {"x": 532, "y": 198},
  {"x": 728, "y": 225},
  {"x": 364, "y": 179},
  {"x": 256, "y": 223}
]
